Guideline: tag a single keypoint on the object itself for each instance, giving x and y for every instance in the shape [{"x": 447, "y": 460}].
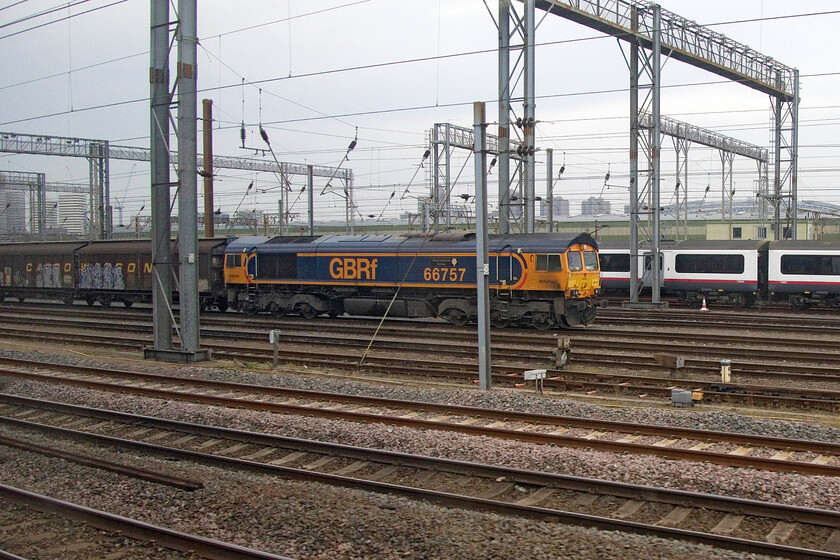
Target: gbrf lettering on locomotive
[{"x": 353, "y": 268}]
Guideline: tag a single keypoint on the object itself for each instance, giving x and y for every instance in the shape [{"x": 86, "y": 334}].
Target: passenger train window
[
  {"x": 549, "y": 263},
  {"x": 686, "y": 263},
  {"x": 815, "y": 265},
  {"x": 590, "y": 260},
  {"x": 615, "y": 263},
  {"x": 575, "y": 261}
]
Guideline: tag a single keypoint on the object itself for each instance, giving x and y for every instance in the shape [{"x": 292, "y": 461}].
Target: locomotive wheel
[
  {"x": 336, "y": 309},
  {"x": 307, "y": 311},
  {"x": 127, "y": 303},
  {"x": 223, "y": 306},
  {"x": 541, "y": 321},
  {"x": 277, "y": 310},
  {"x": 456, "y": 317},
  {"x": 90, "y": 300},
  {"x": 249, "y": 309},
  {"x": 498, "y": 320}
]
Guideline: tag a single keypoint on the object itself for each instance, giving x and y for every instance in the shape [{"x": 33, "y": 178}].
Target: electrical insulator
[
  {"x": 264, "y": 135},
  {"x": 242, "y": 133},
  {"x": 428, "y": 152},
  {"x": 530, "y": 150},
  {"x": 352, "y": 145},
  {"x": 519, "y": 122}
]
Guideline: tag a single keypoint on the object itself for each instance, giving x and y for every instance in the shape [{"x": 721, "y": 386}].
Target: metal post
[
  {"x": 634, "y": 160},
  {"x": 529, "y": 120},
  {"x": 310, "y": 186},
  {"x": 482, "y": 271},
  {"x": 159, "y": 144},
  {"x": 41, "y": 198},
  {"x": 777, "y": 169},
  {"x": 794, "y": 155},
  {"x": 549, "y": 195},
  {"x": 504, "y": 116},
  {"x": 447, "y": 149},
  {"x": 655, "y": 147},
  {"x": 187, "y": 174},
  {"x": 207, "y": 115}
]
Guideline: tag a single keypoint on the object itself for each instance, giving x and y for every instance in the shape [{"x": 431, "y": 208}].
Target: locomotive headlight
[
  {"x": 574, "y": 293},
  {"x": 597, "y": 291}
]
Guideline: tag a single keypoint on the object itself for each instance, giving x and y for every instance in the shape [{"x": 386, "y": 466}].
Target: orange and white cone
[{"x": 703, "y": 307}]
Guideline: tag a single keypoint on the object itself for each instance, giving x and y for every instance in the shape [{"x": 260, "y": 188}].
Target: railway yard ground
[{"x": 358, "y": 450}]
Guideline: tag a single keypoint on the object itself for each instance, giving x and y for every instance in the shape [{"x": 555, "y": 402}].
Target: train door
[
  {"x": 763, "y": 291},
  {"x": 504, "y": 266},
  {"x": 646, "y": 271}
]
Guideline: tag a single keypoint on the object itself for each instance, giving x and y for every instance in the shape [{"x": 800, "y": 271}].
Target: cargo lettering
[{"x": 353, "y": 269}]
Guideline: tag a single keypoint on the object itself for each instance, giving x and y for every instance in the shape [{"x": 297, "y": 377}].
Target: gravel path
[{"x": 293, "y": 519}]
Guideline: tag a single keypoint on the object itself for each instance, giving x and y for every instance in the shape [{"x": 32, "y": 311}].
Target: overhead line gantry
[{"x": 651, "y": 32}]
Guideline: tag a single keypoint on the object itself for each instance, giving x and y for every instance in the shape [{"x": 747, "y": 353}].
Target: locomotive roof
[{"x": 465, "y": 242}]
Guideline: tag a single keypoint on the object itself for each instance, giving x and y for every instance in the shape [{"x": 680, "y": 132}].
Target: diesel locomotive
[{"x": 536, "y": 280}]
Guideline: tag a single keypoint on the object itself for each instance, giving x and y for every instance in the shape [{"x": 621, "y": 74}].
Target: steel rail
[
  {"x": 501, "y": 433},
  {"x": 764, "y": 394},
  {"x": 526, "y": 511},
  {"x": 162, "y": 536},
  {"x": 125, "y": 470},
  {"x": 742, "y": 506},
  {"x": 655, "y": 430}
]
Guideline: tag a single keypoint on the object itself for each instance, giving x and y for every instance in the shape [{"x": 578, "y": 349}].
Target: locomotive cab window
[
  {"x": 549, "y": 263},
  {"x": 231, "y": 261},
  {"x": 575, "y": 261},
  {"x": 590, "y": 260}
]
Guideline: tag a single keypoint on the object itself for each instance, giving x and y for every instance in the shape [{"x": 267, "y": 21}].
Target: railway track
[
  {"x": 737, "y": 524},
  {"x": 597, "y": 367},
  {"x": 45, "y": 527},
  {"x": 738, "y": 450}
]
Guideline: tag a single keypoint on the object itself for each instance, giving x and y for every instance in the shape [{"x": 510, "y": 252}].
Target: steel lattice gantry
[
  {"x": 520, "y": 76},
  {"x": 36, "y": 188},
  {"x": 684, "y": 134},
  {"x": 652, "y": 31},
  {"x": 91, "y": 149},
  {"x": 95, "y": 151},
  {"x": 445, "y": 138}
]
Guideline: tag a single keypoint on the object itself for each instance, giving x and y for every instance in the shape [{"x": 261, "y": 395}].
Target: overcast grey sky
[{"x": 319, "y": 72}]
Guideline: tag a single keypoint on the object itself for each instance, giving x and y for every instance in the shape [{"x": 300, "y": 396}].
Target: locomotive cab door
[{"x": 504, "y": 267}]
